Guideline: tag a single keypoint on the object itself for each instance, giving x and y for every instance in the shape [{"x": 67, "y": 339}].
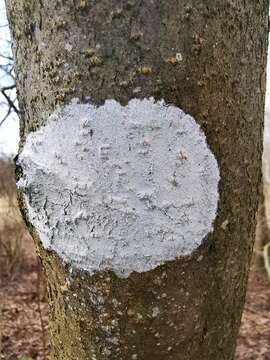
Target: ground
[
  {"x": 24, "y": 320},
  {"x": 24, "y": 314},
  {"x": 254, "y": 338}
]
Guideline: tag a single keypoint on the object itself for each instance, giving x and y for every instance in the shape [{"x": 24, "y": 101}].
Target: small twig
[
  {"x": 7, "y": 57},
  {"x": 10, "y": 102},
  {"x": 6, "y": 116}
]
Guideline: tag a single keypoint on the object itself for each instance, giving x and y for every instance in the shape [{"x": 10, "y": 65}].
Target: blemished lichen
[
  {"x": 145, "y": 70},
  {"x": 124, "y": 188}
]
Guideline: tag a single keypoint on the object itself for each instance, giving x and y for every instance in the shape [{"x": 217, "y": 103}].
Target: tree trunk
[{"x": 205, "y": 57}]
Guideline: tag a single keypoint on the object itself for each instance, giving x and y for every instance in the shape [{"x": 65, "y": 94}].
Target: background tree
[
  {"x": 7, "y": 79},
  {"x": 208, "y": 58},
  {"x": 8, "y": 104}
]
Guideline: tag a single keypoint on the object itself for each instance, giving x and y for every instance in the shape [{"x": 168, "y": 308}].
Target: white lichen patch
[{"x": 123, "y": 188}]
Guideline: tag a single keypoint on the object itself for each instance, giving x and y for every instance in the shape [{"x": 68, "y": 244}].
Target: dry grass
[
  {"x": 12, "y": 228},
  {"x": 12, "y": 235},
  {"x": 262, "y": 243}
]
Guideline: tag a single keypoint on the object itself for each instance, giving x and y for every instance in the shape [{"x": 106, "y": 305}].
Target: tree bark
[{"x": 206, "y": 57}]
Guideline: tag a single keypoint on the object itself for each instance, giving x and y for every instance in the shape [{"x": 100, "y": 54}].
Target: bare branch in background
[
  {"x": 8, "y": 98},
  {"x": 7, "y": 80},
  {"x": 10, "y": 102},
  {"x": 7, "y": 58}
]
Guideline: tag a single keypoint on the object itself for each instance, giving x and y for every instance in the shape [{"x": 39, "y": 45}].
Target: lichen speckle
[
  {"x": 179, "y": 57},
  {"x": 145, "y": 70},
  {"x": 121, "y": 188}
]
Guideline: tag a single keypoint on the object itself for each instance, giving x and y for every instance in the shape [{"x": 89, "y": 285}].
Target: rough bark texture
[{"x": 125, "y": 49}]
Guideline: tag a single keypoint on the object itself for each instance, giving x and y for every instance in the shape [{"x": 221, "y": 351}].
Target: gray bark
[{"x": 127, "y": 49}]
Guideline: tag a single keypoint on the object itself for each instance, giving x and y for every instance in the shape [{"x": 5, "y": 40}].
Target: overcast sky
[{"x": 9, "y": 131}]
